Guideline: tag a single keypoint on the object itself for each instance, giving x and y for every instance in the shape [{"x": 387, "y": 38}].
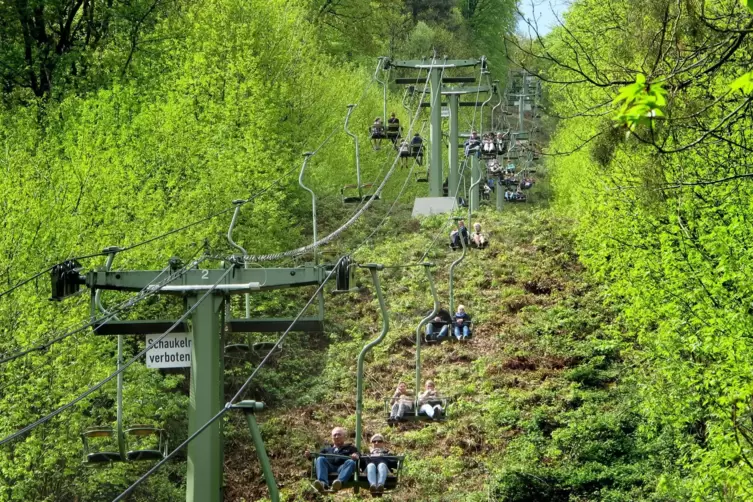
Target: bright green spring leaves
[
  {"x": 640, "y": 103},
  {"x": 745, "y": 82}
]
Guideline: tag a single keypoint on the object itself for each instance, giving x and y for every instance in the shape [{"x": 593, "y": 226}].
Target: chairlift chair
[
  {"x": 393, "y": 131},
  {"x": 359, "y": 479},
  {"x": 140, "y": 432},
  {"x": 356, "y": 194},
  {"x": 491, "y": 153},
  {"x": 415, "y": 414},
  {"x": 105, "y": 435}
]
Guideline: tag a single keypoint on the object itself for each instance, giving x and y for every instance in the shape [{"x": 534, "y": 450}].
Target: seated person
[
  {"x": 430, "y": 402},
  {"x": 477, "y": 238},
  {"x": 462, "y": 324},
  {"x": 378, "y": 464},
  {"x": 402, "y": 401},
  {"x": 403, "y": 151},
  {"x": 486, "y": 191},
  {"x": 456, "y": 234},
  {"x": 377, "y": 133},
  {"x": 342, "y": 465},
  {"x": 501, "y": 143},
  {"x": 432, "y": 326},
  {"x": 393, "y": 128},
  {"x": 508, "y": 194},
  {"x": 488, "y": 147},
  {"x": 416, "y": 146},
  {"x": 493, "y": 166},
  {"x": 473, "y": 142}
]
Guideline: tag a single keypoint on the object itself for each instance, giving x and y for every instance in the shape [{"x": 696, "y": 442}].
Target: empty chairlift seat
[
  {"x": 100, "y": 446},
  {"x": 150, "y": 443}
]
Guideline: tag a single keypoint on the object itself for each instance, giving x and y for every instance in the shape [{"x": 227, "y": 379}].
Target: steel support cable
[
  {"x": 386, "y": 163},
  {"x": 94, "y": 388},
  {"x": 394, "y": 203},
  {"x": 450, "y": 219},
  {"x": 236, "y": 396},
  {"x": 308, "y": 248},
  {"x": 462, "y": 176},
  {"x": 150, "y": 290},
  {"x": 197, "y": 222}
]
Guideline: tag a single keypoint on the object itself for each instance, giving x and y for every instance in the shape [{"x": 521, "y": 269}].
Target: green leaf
[{"x": 744, "y": 82}]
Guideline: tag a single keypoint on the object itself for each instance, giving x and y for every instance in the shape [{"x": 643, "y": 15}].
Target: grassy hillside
[{"x": 543, "y": 401}]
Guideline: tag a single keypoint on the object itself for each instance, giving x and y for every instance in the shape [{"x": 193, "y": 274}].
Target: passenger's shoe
[
  {"x": 320, "y": 487},
  {"x": 336, "y": 485},
  {"x": 380, "y": 489},
  {"x": 373, "y": 489}
]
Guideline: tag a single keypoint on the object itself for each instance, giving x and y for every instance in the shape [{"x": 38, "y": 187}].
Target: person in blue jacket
[{"x": 462, "y": 324}]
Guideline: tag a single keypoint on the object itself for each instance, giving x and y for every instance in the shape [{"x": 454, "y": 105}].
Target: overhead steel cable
[
  {"x": 94, "y": 388},
  {"x": 150, "y": 290},
  {"x": 233, "y": 400},
  {"x": 463, "y": 169},
  {"x": 308, "y": 248},
  {"x": 197, "y": 222},
  {"x": 394, "y": 203}
]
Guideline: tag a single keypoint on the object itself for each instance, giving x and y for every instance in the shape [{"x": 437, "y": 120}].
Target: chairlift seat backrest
[
  {"x": 102, "y": 456},
  {"x": 157, "y": 452}
]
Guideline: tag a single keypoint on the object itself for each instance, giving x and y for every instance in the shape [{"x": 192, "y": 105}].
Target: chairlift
[
  {"x": 140, "y": 433},
  {"x": 393, "y": 131},
  {"x": 98, "y": 456},
  {"x": 358, "y": 186},
  {"x": 415, "y": 414},
  {"x": 359, "y": 477},
  {"x": 353, "y": 194},
  {"x": 118, "y": 436}
]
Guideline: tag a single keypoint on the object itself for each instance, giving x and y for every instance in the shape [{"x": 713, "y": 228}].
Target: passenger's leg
[
  {"x": 371, "y": 474},
  {"x": 457, "y": 332},
  {"x": 383, "y": 471},
  {"x": 345, "y": 472},
  {"x": 323, "y": 467},
  {"x": 466, "y": 332},
  {"x": 395, "y": 410},
  {"x": 428, "y": 409},
  {"x": 443, "y": 333}
]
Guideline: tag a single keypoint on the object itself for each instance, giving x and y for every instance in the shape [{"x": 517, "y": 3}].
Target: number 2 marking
[{"x": 205, "y": 274}]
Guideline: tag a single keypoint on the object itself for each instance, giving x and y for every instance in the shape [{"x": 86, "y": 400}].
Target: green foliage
[
  {"x": 640, "y": 103},
  {"x": 743, "y": 83},
  {"x": 660, "y": 220}
]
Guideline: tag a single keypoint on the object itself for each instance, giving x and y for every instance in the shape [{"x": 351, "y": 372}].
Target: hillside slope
[{"x": 543, "y": 405}]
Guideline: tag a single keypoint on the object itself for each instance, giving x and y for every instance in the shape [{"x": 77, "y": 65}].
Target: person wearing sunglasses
[
  {"x": 378, "y": 464},
  {"x": 335, "y": 459}
]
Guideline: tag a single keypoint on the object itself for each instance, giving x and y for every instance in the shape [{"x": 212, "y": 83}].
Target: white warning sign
[{"x": 172, "y": 351}]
